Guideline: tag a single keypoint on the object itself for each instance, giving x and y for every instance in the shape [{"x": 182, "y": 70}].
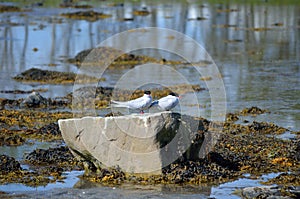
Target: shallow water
[
  {"x": 258, "y": 67},
  {"x": 82, "y": 189}
]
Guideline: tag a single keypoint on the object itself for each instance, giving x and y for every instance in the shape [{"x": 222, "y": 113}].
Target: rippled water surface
[{"x": 255, "y": 46}]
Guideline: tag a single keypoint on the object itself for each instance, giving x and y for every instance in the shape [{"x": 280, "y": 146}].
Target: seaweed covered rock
[
  {"x": 211, "y": 170},
  {"x": 231, "y": 117},
  {"x": 53, "y": 77},
  {"x": 9, "y": 8},
  {"x": 11, "y": 140},
  {"x": 287, "y": 179},
  {"x": 117, "y": 58},
  {"x": 8, "y": 164},
  {"x": 254, "y": 127},
  {"x": 86, "y": 15},
  {"x": 54, "y": 156},
  {"x": 253, "y": 111},
  {"x": 50, "y": 129},
  {"x": 267, "y": 128},
  {"x": 49, "y": 132}
]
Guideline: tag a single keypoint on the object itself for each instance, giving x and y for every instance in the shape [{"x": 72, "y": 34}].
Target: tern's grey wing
[
  {"x": 140, "y": 103},
  {"x": 167, "y": 103}
]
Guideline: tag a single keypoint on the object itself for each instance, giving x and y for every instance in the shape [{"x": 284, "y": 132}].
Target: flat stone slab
[{"x": 137, "y": 143}]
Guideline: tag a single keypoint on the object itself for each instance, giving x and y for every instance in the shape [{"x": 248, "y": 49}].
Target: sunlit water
[{"x": 258, "y": 67}]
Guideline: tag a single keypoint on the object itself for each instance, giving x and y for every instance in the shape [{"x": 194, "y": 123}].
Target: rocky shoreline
[
  {"x": 250, "y": 148},
  {"x": 243, "y": 147}
]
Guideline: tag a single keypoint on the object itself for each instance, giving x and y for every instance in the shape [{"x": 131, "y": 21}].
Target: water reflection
[{"x": 256, "y": 46}]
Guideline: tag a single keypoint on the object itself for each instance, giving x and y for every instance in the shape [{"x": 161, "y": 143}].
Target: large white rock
[{"x": 138, "y": 143}]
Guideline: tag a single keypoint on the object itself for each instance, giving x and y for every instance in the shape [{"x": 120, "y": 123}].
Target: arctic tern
[
  {"x": 166, "y": 103},
  {"x": 140, "y": 104}
]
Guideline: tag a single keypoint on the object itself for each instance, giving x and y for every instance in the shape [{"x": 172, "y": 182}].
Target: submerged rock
[{"x": 135, "y": 143}]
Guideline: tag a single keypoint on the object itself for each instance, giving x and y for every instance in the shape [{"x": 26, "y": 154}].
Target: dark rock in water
[
  {"x": 8, "y": 164},
  {"x": 50, "y": 156},
  {"x": 34, "y": 100}
]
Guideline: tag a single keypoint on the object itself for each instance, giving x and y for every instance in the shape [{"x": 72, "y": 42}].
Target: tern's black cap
[
  {"x": 147, "y": 92},
  {"x": 173, "y": 94}
]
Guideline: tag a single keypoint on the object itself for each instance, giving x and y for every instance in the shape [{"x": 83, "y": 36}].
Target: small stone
[
  {"x": 261, "y": 192},
  {"x": 33, "y": 100}
]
